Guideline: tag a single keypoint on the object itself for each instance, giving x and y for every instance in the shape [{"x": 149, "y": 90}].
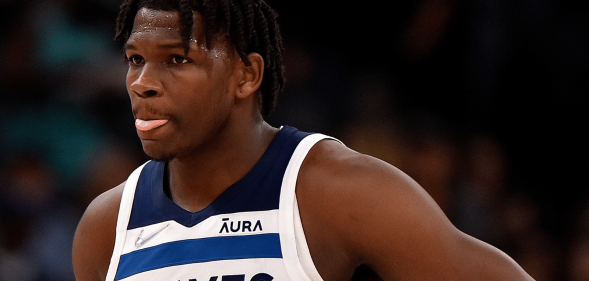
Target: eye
[
  {"x": 178, "y": 60},
  {"x": 135, "y": 60}
]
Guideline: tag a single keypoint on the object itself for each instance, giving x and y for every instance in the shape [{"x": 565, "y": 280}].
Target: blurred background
[{"x": 483, "y": 102}]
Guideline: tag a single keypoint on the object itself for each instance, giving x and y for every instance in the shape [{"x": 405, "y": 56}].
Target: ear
[{"x": 251, "y": 77}]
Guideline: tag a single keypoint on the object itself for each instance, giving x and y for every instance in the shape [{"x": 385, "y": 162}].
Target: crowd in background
[{"x": 481, "y": 101}]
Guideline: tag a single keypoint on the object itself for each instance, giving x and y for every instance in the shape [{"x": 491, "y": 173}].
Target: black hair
[{"x": 250, "y": 25}]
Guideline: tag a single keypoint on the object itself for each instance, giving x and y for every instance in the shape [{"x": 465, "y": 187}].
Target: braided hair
[{"x": 250, "y": 25}]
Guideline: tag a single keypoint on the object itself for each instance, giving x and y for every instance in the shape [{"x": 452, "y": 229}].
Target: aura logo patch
[{"x": 240, "y": 226}]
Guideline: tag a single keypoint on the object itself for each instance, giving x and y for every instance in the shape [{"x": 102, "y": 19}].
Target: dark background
[{"x": 482, "y": 102}]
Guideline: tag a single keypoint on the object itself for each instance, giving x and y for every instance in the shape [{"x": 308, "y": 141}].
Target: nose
[{"x": 146, "y": 84}]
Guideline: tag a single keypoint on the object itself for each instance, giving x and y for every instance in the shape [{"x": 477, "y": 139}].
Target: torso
[{"x": 216, "y": 224}]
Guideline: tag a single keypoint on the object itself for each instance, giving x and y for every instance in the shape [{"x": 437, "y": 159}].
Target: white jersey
[{"x": 251, "y": 232}]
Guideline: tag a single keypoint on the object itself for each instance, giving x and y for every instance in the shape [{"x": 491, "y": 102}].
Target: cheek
[
  {"x": 223, "y": 82},
  {"x": 201, "y": 92},
  {"x": 205, "y": 106},
  {"x": 203, "y": 88},
  {"x": 191, "y": 95}
]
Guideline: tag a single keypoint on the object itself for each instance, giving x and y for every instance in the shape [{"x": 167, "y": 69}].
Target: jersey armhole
[
  {"x": 295, "y": 251},
  {"x": 123, "y": 221},
  {"x": 302, "y": 248}
]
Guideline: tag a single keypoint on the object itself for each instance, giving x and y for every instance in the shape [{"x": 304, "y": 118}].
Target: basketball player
[{"x": 229, "y": 197}]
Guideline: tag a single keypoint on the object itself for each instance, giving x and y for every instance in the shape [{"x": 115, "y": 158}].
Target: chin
[
  {"x": 158, "y": 153},
  {"x": 161, "y": 158}
]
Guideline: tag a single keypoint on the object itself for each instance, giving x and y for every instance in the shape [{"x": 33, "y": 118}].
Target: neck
[{"x": 197, "y": 180}]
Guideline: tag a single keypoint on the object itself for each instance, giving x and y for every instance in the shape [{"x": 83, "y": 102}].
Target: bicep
[
  {"x": 403, "y": 234},
  {"x": 83, "y": 253},
  {"x": 94, "y": 237}
]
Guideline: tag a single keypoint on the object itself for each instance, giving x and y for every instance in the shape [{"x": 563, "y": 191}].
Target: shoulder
[
  {"x": 335, "y": 173},
  {"x": 95, "y": 236},
  {"x": 353, "y": 206},
  {"x": 350, "y": 185},
  {"x": 332, "y": 161}
]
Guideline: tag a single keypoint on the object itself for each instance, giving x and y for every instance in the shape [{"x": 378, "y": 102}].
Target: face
[{"x": 180, "y": 101}]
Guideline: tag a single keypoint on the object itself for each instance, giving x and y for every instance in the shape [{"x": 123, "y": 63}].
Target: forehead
[
  {"x": 148, "y": 19},
  {"x": 161, "y": 23},
  {"x": 163, "y": 29}
]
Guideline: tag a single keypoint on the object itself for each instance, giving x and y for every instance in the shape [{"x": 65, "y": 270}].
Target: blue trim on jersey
[
  {"x": 199, "y": 250},
  {"x": 259, "y": 190}
]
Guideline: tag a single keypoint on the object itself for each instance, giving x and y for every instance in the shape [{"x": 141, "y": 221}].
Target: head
[
  {"x": 249, "y": 25},
  {"x": 197, "y": 67}
]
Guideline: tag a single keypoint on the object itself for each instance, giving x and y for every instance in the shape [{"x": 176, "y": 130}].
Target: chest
[{"x": 239, "y": 246}]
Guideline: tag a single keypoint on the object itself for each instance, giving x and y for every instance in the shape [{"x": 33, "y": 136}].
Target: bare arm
[
  {"x": 386, "y": 220},
  {"x": 95, "y": 236}
]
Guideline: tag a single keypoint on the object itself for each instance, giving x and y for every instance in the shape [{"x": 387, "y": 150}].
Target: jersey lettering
[{"x": 239, "y": 226}]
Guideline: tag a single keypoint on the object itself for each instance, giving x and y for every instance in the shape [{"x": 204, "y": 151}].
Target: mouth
[{"x": 147, "y": 125}]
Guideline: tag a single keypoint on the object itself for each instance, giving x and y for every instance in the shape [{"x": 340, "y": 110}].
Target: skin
[{"x": 355, "y": 209}]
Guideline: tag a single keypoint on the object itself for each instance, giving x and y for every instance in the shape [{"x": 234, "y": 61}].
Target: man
[{"x": 230, "y": 197}]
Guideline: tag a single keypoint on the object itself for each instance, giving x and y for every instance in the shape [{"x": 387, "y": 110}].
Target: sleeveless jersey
[{"x": 251, "y": 232}]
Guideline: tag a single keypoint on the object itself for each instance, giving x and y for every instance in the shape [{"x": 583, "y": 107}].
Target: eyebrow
[{"x": 176, "y": 45}]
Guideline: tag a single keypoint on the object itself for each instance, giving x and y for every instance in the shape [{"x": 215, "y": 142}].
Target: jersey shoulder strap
[
  {"x": 295, "y": 251},
  {"x": 123, "y": 219}
]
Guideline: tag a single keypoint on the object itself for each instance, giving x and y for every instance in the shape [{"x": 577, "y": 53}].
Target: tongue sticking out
[{"x": 146, "y": 125}]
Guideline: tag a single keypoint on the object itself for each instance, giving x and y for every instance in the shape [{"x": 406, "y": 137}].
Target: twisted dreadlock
[{"x": 250, "y": 25}]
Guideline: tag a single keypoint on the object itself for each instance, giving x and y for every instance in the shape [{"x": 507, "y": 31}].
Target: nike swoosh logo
[{"x": 141, "y": 241}]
